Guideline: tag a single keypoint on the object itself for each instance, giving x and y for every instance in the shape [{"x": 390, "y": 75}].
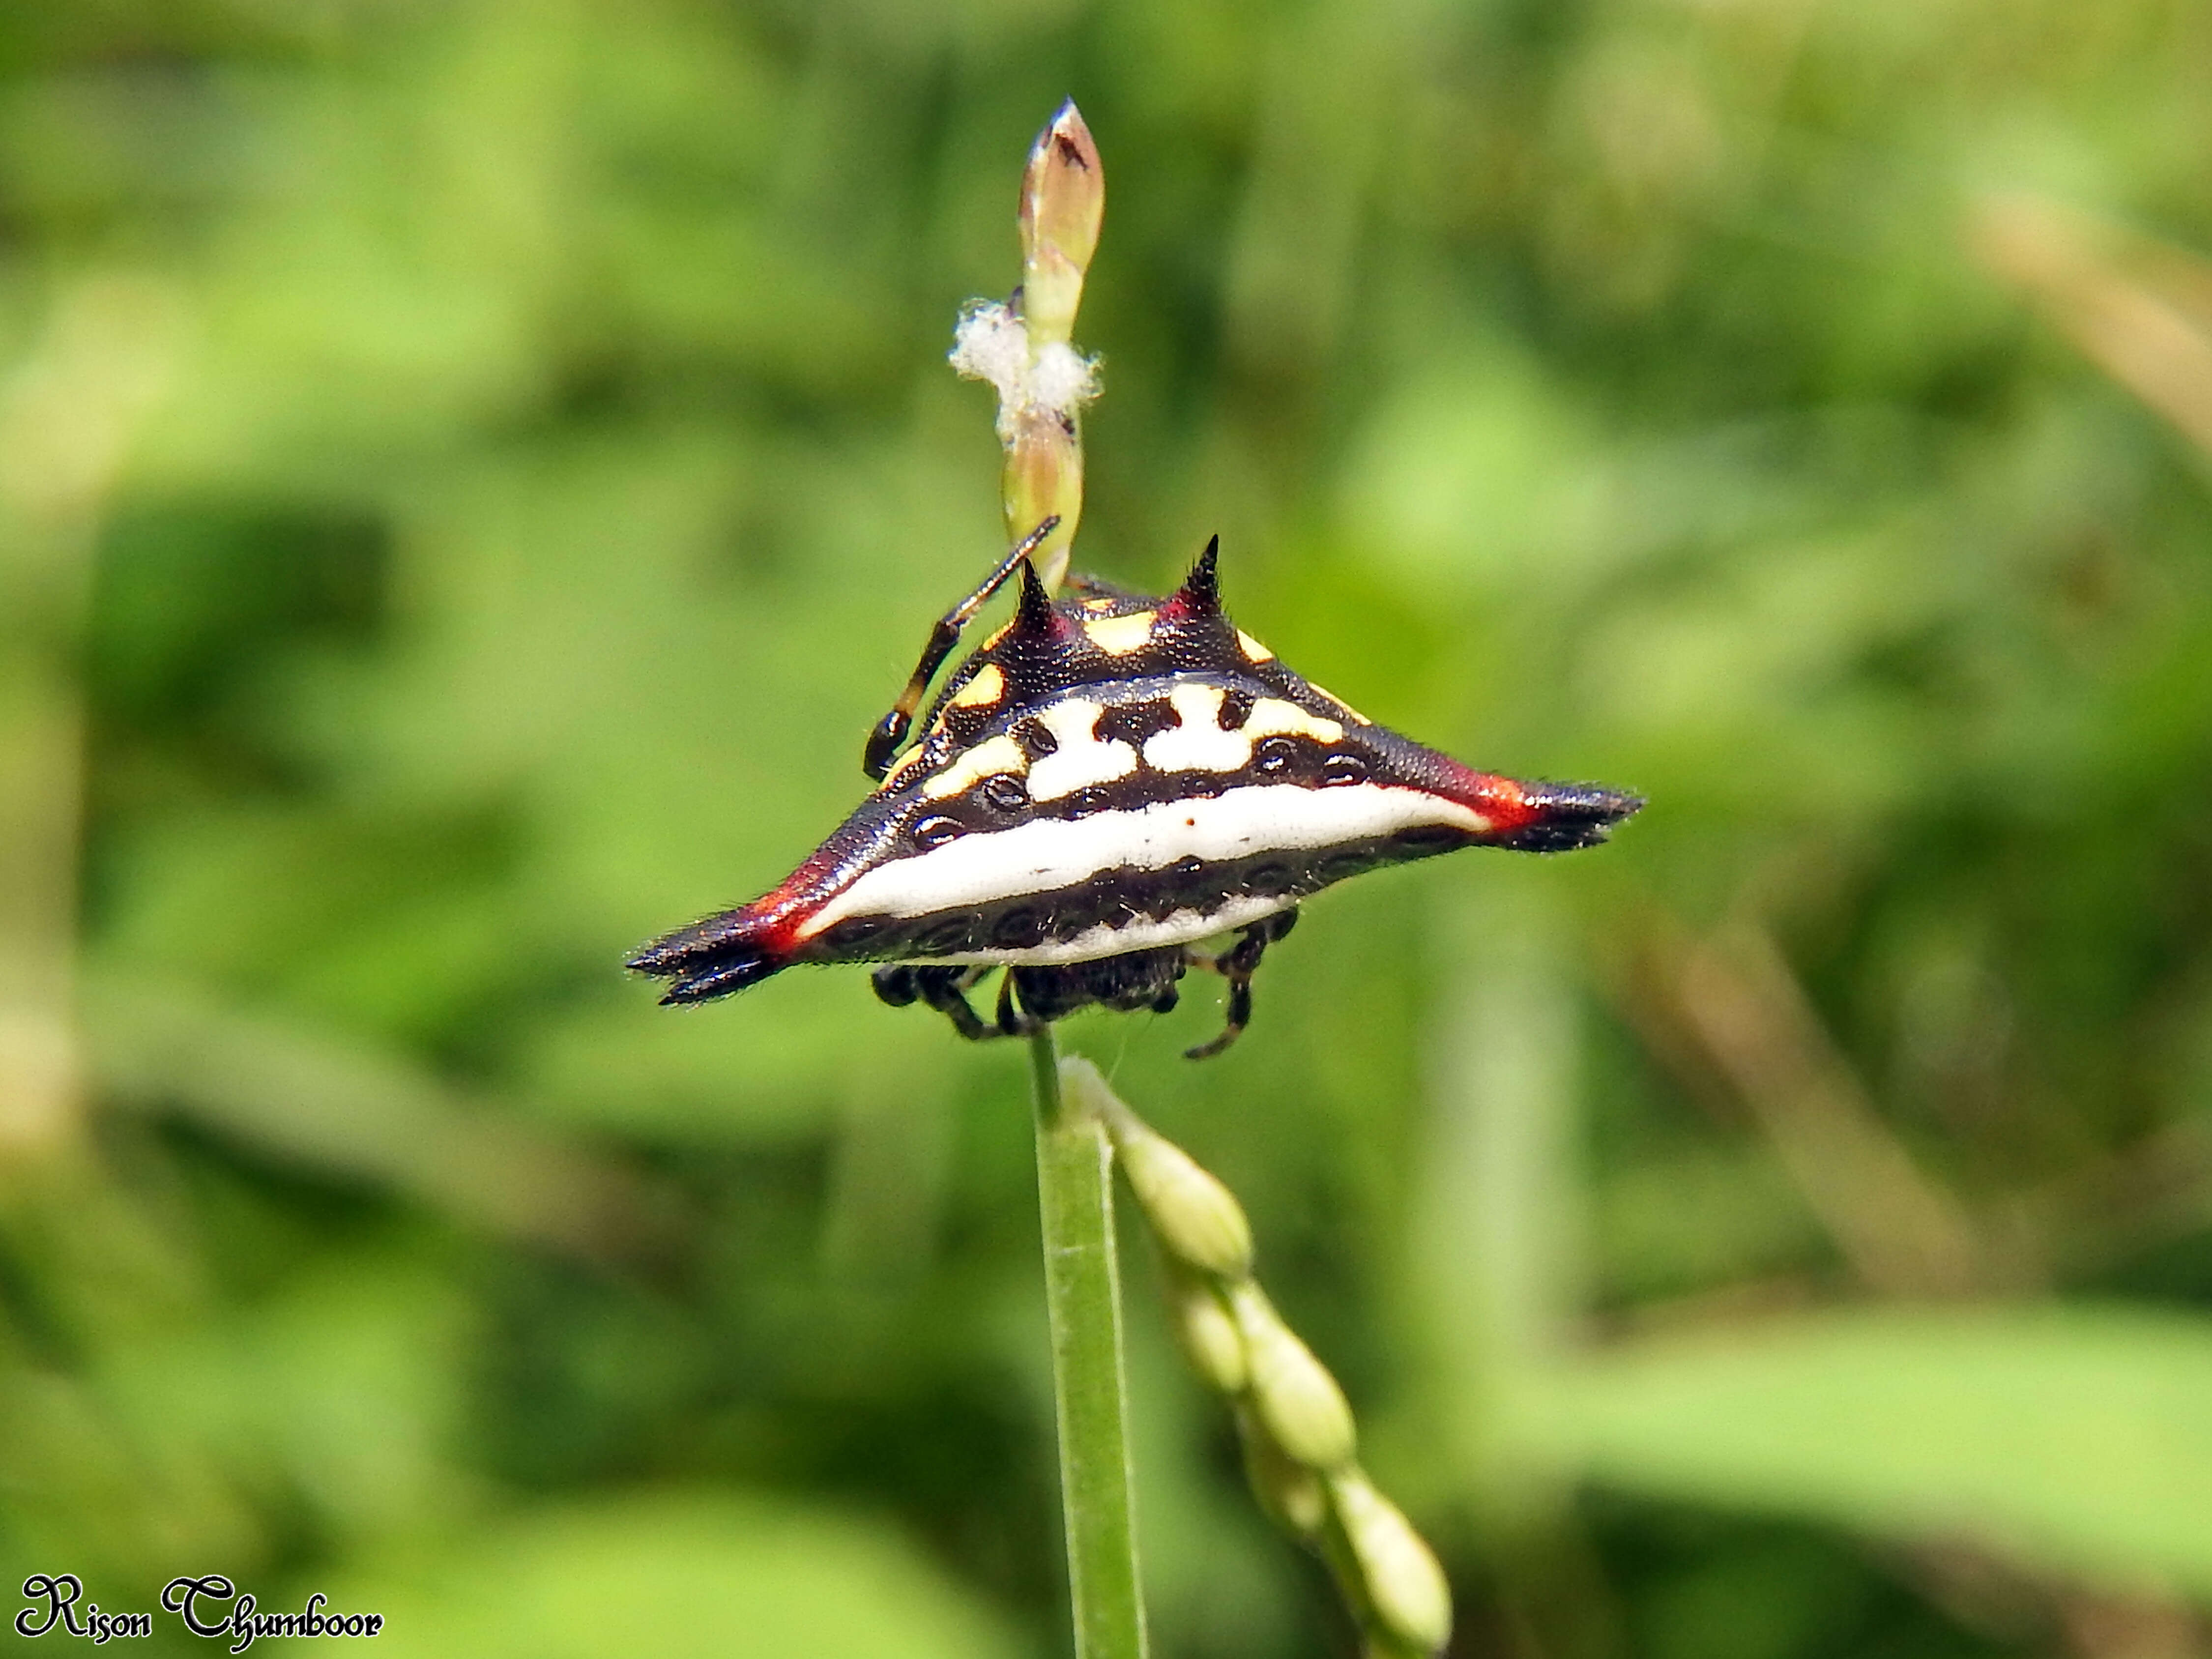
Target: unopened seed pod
[
  {"x": 1404, "y": 1586},
  {"x": 1208, "y": 1335},
  {"x": 1293, "y": 1393},
  {"x": 1287, "y": 1489},
  {"x": 1195, "y": 1216}
]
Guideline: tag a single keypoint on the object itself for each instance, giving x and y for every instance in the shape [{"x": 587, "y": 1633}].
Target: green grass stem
[{"x": 1083, "y": 1296}]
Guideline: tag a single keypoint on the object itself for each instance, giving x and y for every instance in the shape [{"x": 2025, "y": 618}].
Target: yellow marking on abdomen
[
  {"x": 986, "y": 759},
  {"x": 904, "y": 765},
  {"x": 1271, "y": 716},
  {"x": 1117, "y": 636},
  {"x": 1253, "y": 650},
  {"x": 986, "y": 689},
  {"x": 1357, "y": 716}
]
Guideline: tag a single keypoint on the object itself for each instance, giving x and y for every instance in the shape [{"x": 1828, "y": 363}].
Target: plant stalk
[{"x": 1083, "y": 1298}]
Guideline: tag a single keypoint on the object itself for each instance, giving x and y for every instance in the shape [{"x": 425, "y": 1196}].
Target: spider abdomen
[{"x": 1114, "y": 776}]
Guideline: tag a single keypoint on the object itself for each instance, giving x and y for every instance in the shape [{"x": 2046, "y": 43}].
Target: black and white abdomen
[
  {"x": 1106, "y": 780},
  {"x": 1147, "y": 814}
]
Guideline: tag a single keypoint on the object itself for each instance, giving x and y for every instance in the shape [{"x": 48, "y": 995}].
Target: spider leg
[
  {"x": 1239, "y": 1016},
  {"x": 945, "y": 989},
  {"x": 1238, "y": 964},
  {"x": 1014, "y": 1021},
  {"x": 892, "y": 730}
]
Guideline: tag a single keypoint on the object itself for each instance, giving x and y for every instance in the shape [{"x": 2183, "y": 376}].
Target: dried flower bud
[
  {"x": 1293, "y": 1393},
  {"x": 1405, "y": 1586},
  {"x": 1043, "y": 479},
  {"x": 1195, "y": 1217},
  {"x": 1063, "y": 203},
  {"x": 1286, "y": 1489},
  {"x": 1022, "y": 347}
]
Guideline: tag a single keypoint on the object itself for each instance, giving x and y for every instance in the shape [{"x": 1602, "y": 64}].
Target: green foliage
[
  {"x": 676, "y": 1577},
  {"x": 471, "y": 474},
  {"x": 2080, "y": 1439}
]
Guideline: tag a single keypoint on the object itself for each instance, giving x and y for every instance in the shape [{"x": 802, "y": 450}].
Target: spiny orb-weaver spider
[{"x": 1107, "y": 782}]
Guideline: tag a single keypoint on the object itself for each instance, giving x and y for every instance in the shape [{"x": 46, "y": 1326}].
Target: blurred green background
[{"x": 471, "y": 473}]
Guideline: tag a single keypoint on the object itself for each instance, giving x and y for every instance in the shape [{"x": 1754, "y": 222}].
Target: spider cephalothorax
[{"x": 1109, "y": 780}]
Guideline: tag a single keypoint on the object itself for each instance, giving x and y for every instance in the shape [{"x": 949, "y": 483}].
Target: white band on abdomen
[{"x": 1045, "y": 855}]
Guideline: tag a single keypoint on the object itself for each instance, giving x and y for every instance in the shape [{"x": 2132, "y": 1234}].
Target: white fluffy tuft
[
  {"x": 991, "y": 343},
  {"x": 1063, "y": 378}
]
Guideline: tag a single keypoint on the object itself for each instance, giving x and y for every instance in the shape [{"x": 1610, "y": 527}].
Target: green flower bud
[
  {"x": 1209, "y": 1336},
  {"x": 1405, "y": 1586},
  {"x": 1197, "y": 1220},
  {"x": 1289, "y": 1491},
  {"x": 1292, "y": 1392}
]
